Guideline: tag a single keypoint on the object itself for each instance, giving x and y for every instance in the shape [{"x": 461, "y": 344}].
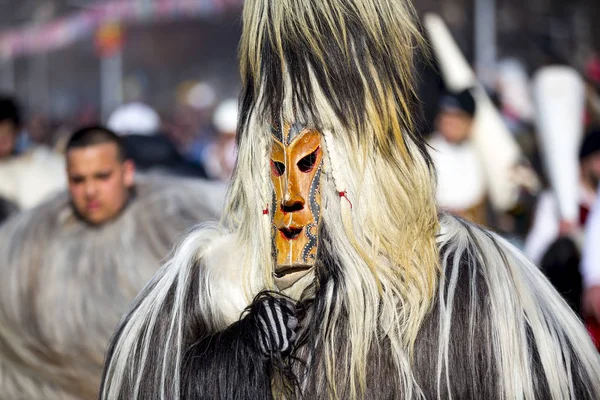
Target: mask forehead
[
  {"x": 296, "y": 163},
  {"x": 288, "y": 132}
]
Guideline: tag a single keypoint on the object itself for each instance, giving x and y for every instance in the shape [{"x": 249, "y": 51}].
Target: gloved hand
[
  {"x": 246, "y": 353},
  {"x": 275, "y": 321}
]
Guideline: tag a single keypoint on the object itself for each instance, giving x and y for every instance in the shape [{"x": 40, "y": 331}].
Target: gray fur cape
[{"x": 64, "y": 284}]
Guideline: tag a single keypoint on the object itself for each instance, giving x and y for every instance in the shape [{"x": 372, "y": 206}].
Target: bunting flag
[{"x": 64, "y": 31}]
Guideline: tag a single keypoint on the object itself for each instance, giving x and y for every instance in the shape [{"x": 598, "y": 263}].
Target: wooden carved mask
[{"x": 296, "y": 162}]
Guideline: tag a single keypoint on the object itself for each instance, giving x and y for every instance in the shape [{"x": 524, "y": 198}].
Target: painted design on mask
[{"x": 296, "y": 166}]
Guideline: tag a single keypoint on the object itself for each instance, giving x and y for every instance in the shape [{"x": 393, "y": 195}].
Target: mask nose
[{"x": 292, "y": 204}]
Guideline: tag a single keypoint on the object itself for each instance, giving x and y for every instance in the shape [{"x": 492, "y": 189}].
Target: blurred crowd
[
  {"x": 187, "y": 142},
  {"x": 552, "y": 115},
  {"x": 197, "y": 139}
]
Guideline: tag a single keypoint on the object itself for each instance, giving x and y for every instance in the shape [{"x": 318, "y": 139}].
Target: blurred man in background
[
  {"x": 461, "y": 186},
  {"x": 152, "y": 152},
  {"x": 70, "y": 267},
  {"x": 221, "y": 154},
  {"x": 30, "y": 177},
  {"x": 10, "y": 121},
  {"x": 592, "y": 92},
  {"x": 547, "y": 223},
  {"x": 555, "y": 244},
  {"x": 590, "y": 265},
  {"x": 100, "y": 175}
]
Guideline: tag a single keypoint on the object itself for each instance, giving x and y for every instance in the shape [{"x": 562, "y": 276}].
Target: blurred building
[{"x": 157, "y": 53}]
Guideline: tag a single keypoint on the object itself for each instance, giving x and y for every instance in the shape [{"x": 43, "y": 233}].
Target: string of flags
[{"x": 64, "y": 31}]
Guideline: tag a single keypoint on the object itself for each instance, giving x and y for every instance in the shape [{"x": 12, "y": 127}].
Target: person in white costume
[
  {"x": 221, "y": 154},
  {"x": 28, "y": 178},
  {"x": 547, "y": 223},
  {"x": 461, "y": 181},
  {"x": 590, "y": 264}
]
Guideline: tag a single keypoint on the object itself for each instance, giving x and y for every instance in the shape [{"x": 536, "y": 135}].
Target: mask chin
[
  {"x": 295, "y": 286},
  {"x": 287, "y": 276}
]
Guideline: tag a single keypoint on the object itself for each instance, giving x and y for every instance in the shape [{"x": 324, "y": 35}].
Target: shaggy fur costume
[{"x": 64, "y": 284}]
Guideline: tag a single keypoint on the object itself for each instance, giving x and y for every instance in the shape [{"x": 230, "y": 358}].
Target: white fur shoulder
[
  {"x": 223, "y": 291},
  {"x": 31, "y": 178}
]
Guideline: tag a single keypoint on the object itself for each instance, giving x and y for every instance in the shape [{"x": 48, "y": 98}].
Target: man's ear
[{"x": 129, "y": 172}]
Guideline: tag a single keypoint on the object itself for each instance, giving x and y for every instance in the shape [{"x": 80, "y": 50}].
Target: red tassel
[{"x": 345, "y": 195}]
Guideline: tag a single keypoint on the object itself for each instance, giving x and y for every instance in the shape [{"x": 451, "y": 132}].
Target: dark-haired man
[
  {"x": 556, "y": 245},
  {"x": 547, "y": 223},
  {"x": 100, "y": 176},
  {"x": 461, "y": 185},
  {"x": 10, "y": 121},
  {"x": 153, "y": 152},
  {"x": 70, "y": 267}
]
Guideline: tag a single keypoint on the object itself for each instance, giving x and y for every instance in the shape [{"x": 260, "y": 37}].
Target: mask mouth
[
  {"x": 284, "y": 270},
  {"x": 287, "y": 275},
  {"x": 290, "y": 233}
]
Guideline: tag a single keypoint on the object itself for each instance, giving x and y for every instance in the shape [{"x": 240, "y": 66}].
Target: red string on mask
[{"x": 345, "y": 195}]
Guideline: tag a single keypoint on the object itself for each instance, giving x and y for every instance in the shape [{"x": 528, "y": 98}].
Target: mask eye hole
[
  {"x": 277, "y": 168},
  {"x": 307, "y": 163}
]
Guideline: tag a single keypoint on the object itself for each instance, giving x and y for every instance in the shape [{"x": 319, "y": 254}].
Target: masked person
[
  {"x": 332, "y": 205},
  {"x": 153, "y": 152},
  {"x": 70, "y": 267},
  {"x": 28, "y": 177}
]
